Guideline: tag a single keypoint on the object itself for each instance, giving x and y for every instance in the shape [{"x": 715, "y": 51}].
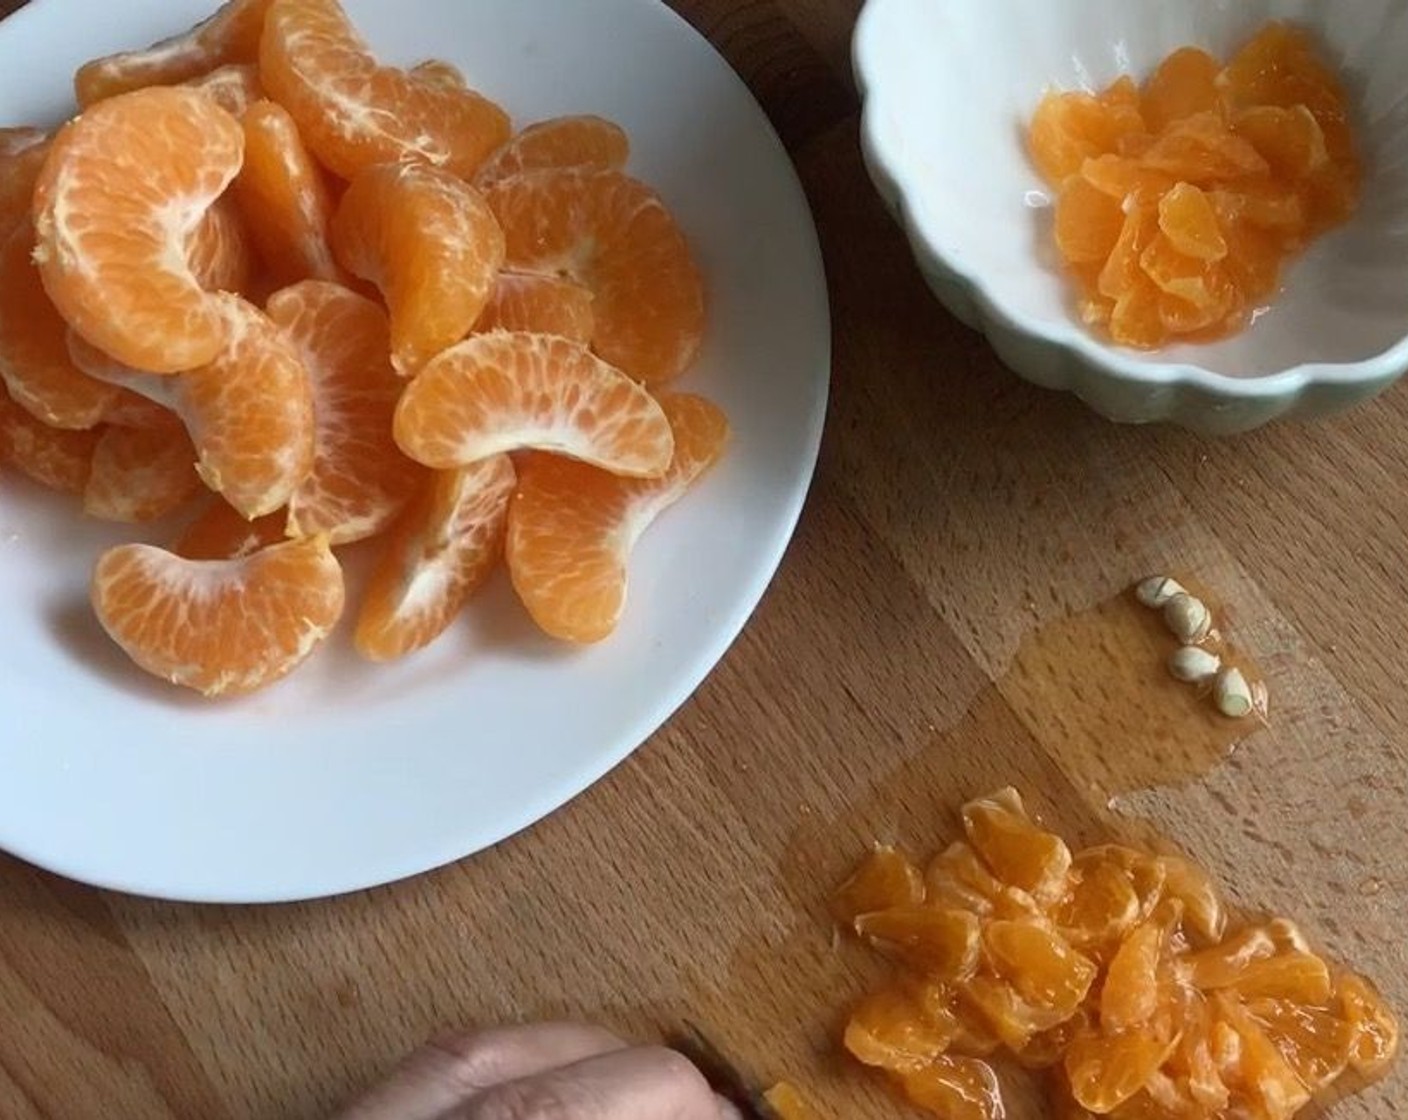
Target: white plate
[{"x": 349, "y": 775}]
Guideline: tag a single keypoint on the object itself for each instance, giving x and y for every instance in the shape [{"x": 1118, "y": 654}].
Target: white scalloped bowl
[{"x": 948, "y": 88}]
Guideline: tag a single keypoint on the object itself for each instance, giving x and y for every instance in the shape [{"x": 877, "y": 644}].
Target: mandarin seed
[
  {"x": 1232, "y": 694},
  {"x": 1188, "y": 617},
  {"x": 1157, "y": 590},
  {"x": 1193, "y": 664}
]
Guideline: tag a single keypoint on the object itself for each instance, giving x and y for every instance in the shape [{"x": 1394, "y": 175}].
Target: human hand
[{"x": 547, "y": 1071}]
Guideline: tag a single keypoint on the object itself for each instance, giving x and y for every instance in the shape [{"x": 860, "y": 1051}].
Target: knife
[{"x": 724, "y": 1077}]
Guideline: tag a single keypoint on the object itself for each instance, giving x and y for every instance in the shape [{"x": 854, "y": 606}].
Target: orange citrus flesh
[
  {"x": 354, "y": 112},
  {"x": 58, "y": 458},
  {"x": 234, "y": 88},
  {"x": 787, "y": 1102},
  {"x": 522, "y": 301},
  {"x": 436, "y": 557},
  {"x": 1179, "y": 204},
  {"x": 360, "y": 479},
  {"x": 230, "y": 35},
  {"x": 121, "y": 191},
  {"x": 502, "y": 392},
  {"x": 1110, "y": 967},
  {"x": 284, "y": 197},
  {"x": 219, "y": 250},
  {"x": 572, "y": 526},
  {"x": 614, "y": 235},
  {"x": 141, "y": 474},
  {"x": 580, "y": 141},
  {"x": 221, "y": 532},
  {"x": 221, "y": 627},
  {"x": 21, "y": 159},
  {"x": 430, "y": 243}
]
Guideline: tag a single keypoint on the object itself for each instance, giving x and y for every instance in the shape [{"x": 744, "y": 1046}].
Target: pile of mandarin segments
[
  {"x": 1179, "y": 202},
  {"x": 1111, "y": 968},
  {"x": 336, "y": 301}
]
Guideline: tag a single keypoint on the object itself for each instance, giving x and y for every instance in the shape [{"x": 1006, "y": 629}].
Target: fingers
[
  {"x": 454, "y": 1068},
  {"x": 643, "y": 1083}
]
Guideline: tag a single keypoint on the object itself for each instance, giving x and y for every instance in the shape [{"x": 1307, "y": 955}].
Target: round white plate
[{"x": 349, "y": 775}]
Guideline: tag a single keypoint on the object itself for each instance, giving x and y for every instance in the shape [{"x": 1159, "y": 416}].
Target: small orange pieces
[
  {"x": 34, "y": 361},
  {"x": 230, "y": 35},
  {"x": 581, "y": 141},
  {"x": 354, "y": 113},
  {"x": 284, "y": 197},
  {"x": 438, "y": 555},
  {"x": 234, "y": 88},
  {"x": 1116, "y": 975},
  {"x": 58, "y": 458},
  {"x": 522, "y": 301},
  {"x": 1177, "y": 203},
  {"x": 432, "y": 246},
  {"x": 360, "y": 480},
  {"x": 221, "y": 627},
  {"x": 122, "y": 189},
  {"x": 572, "y": 526},
  {"x": 505, "y": 392},
  {"x": 614, "y": 235},
  {"x": 140, "y": 474}
]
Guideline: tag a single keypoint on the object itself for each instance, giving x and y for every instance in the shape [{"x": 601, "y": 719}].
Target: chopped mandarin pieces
[
  {"x": 1203, "y": 149},
  {"x": 1105, "y": 1070},
  {"x": 141, "y": 474},
  {"x": 956, "y": 1088},
  {"x": 1130, "y": 994},
  {"x": 1002, "y": 1011},
  {"x": 1039, "y": 963},
  {"x": 1088, "y": 221},
  {"x": 1219, "y": 966},
  {"x": 1303, "y": 977},
  {"x": 1069, "y": 128},
  {"x": 889, "y": 1030},
  {"x": 1101, "y": 907},
  {"x": 884, "y": 879},
  {"x": 1187, "y": 219},
  {"x": 941, "y": 944},
  {"x": 1203, "y": 910},
  {"x": 1375, "y": 1027},
  {"x": 787, "y": 1103},
  {"x": 958, "y": 877},
  {"x": 1014, "y": 848},
  {"x": 1119, "y": 177},
  {"x": 1184, "y": 83},
  {"x": 1315, "y": 1041},
  {"x": 1121, "y": 273},
  {"x": 58, "y": 458},
  {"x": 1289, "y": 139},
  {"x": 1266, "y": 1080},
  {"x": 354, "y": 112},
  {"x": 581, "y": 141}
]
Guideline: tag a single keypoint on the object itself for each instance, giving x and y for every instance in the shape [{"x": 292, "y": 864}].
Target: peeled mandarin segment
[
  {"x": 1203, "y": 910},
  {"x": 53, "y": 457},
  {"x": 1004, "y": 1012},
  {"x": 1119, "y": 177},
  {"x": 360, "y": 481},
  {"x": 884, "y": 879},
  {"x": 1088, "y": 221},
  {"x": 221, "y": 627},
  {"x": 572, "y": 527},
  {"x": 957, "y": 877},
  {"x": 1187, "y": 219},
  {"x": 1267, "y": 1081},
  {"x": 1303, "y": 977},
  {"x": 354, "y": 113},
  {"x": 1137, "y": 320},
  {"x": 1194, "y": 1061},
  {"x": 1102, "y": 906},
  {"x": 1314, "y": 1041},
  {"x": 1203, "y": 150},
  {"x": 1046, "y": 1048},
  {"x": 284, "y": 197},
  {"x": 34, "y": 361},
  {"x": 579, "y": 141},
  {"x": 20, "y": 138},
  {"x": 889, "y": 1030},
  {"x": 956, "y": 1088},
  {"x": 234, "y": 88},
  {"x": 1375, "y": 1027},
  {"x": 1289, "y": 139},
  {"x": 522, "y": 301},
  {"x": 614, "y": 235},
  {"x": 1184, "y": 83},
  {"x": 19, "y": 171},
  {"x": 942, "y": 944},
  {"x": 222, "y": 533},
  {"x": 438, "y": 555},
  {"x": 1177, "y": 273},
  {"x": 218, "y": 250},
  {"x": 122, "y": 189},
  {"x": 1039, "y": 964},
  {"x": 230, "y": 35},
  {"x": 1106, "y": 1070},
  {"x": 1130, "y": 994},
  {"x": 1069, "y": 128},
  {"x": 505, "y": 392},
  {"x": 130, "y": 410},
  {"x": 1017, "y": 851},
  {"x": 439, "y": 72},
  {"x": 431, "y": 244},
  {"x": 140, "y": 474},
  {"x": 1122, "y": 271}
]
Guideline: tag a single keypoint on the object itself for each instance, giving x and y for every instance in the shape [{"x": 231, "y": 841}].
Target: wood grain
[{"x": 956, "y": 514}]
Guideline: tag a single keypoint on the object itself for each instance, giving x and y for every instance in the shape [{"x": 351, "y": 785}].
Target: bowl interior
[{"x": 954, "y": 85}]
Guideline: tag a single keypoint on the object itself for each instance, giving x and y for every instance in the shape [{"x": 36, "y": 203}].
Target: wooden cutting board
[{"x": 941, "y": 626}]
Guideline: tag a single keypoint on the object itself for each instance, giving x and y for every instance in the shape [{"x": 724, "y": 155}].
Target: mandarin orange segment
[
  {"x": 1069, "y": 128},
  {"x": 578, "y": 141},
  {"x": 17, "y": 139},
  {"x": 614, "y": 235},
  {"x": 354, "y": 113},
  {"x": 230, "y": 35},
  {"x": 437, "y": 556},
  {"x": 1122, "y": 272},
  {"x": 573, "y": 526},
  {"x": 34, "y": 362},
  {"x": 218, "y": 250},
  {"x": 1183, "y": 84},
  {"x": 439, "y": 72},
  {"x": 1016, "y": 850},
  {"x": 1202, "y": 149},
  {"x": 1039, "y": 963},
  {"x": 1265, "y": 1077},
  {"x": 360, "y": 481},
  {"x": 890, "y": 1031},
  {"x": 1375, "y": 1027},
  {"x": 1101, "y": 907},
  {"x": 284, "y": 197},
  {"x": 522, "y": 301},
  {"x": 956, "y": 1088},
  {"x": 131, "y": 410},
  {"x": 1130, "y": 994},
  {"x": 234, "y": 88},
  {"x": 221, "y": 627},
  {"x": 431, "y": 244},
  {"x": 958, "y": 877},
  {"x": 141, "y": 474},
  {"x": 1119, "y": 177},
  {"x": 122, "y": 189},
  {"x": 1187, "y": 219},
  {"x": 58, "y": 458},
  {"x": 223, "y": 533},
  {"x": 1106, "y": 1070},
  {"x": 1289, "y": 139},
  {"x": 1088, "y": 221},
  {"x": 884, "y": 879},
  {"x": 1203, "y": 910},
  {"x": 941, "y": 944},
  {"x": 1314, "y": 1041},
  {"x": 20, "y": 165},
  {"x": 510, "y": 391},
  {"x": 1004, "y": 1012}
]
